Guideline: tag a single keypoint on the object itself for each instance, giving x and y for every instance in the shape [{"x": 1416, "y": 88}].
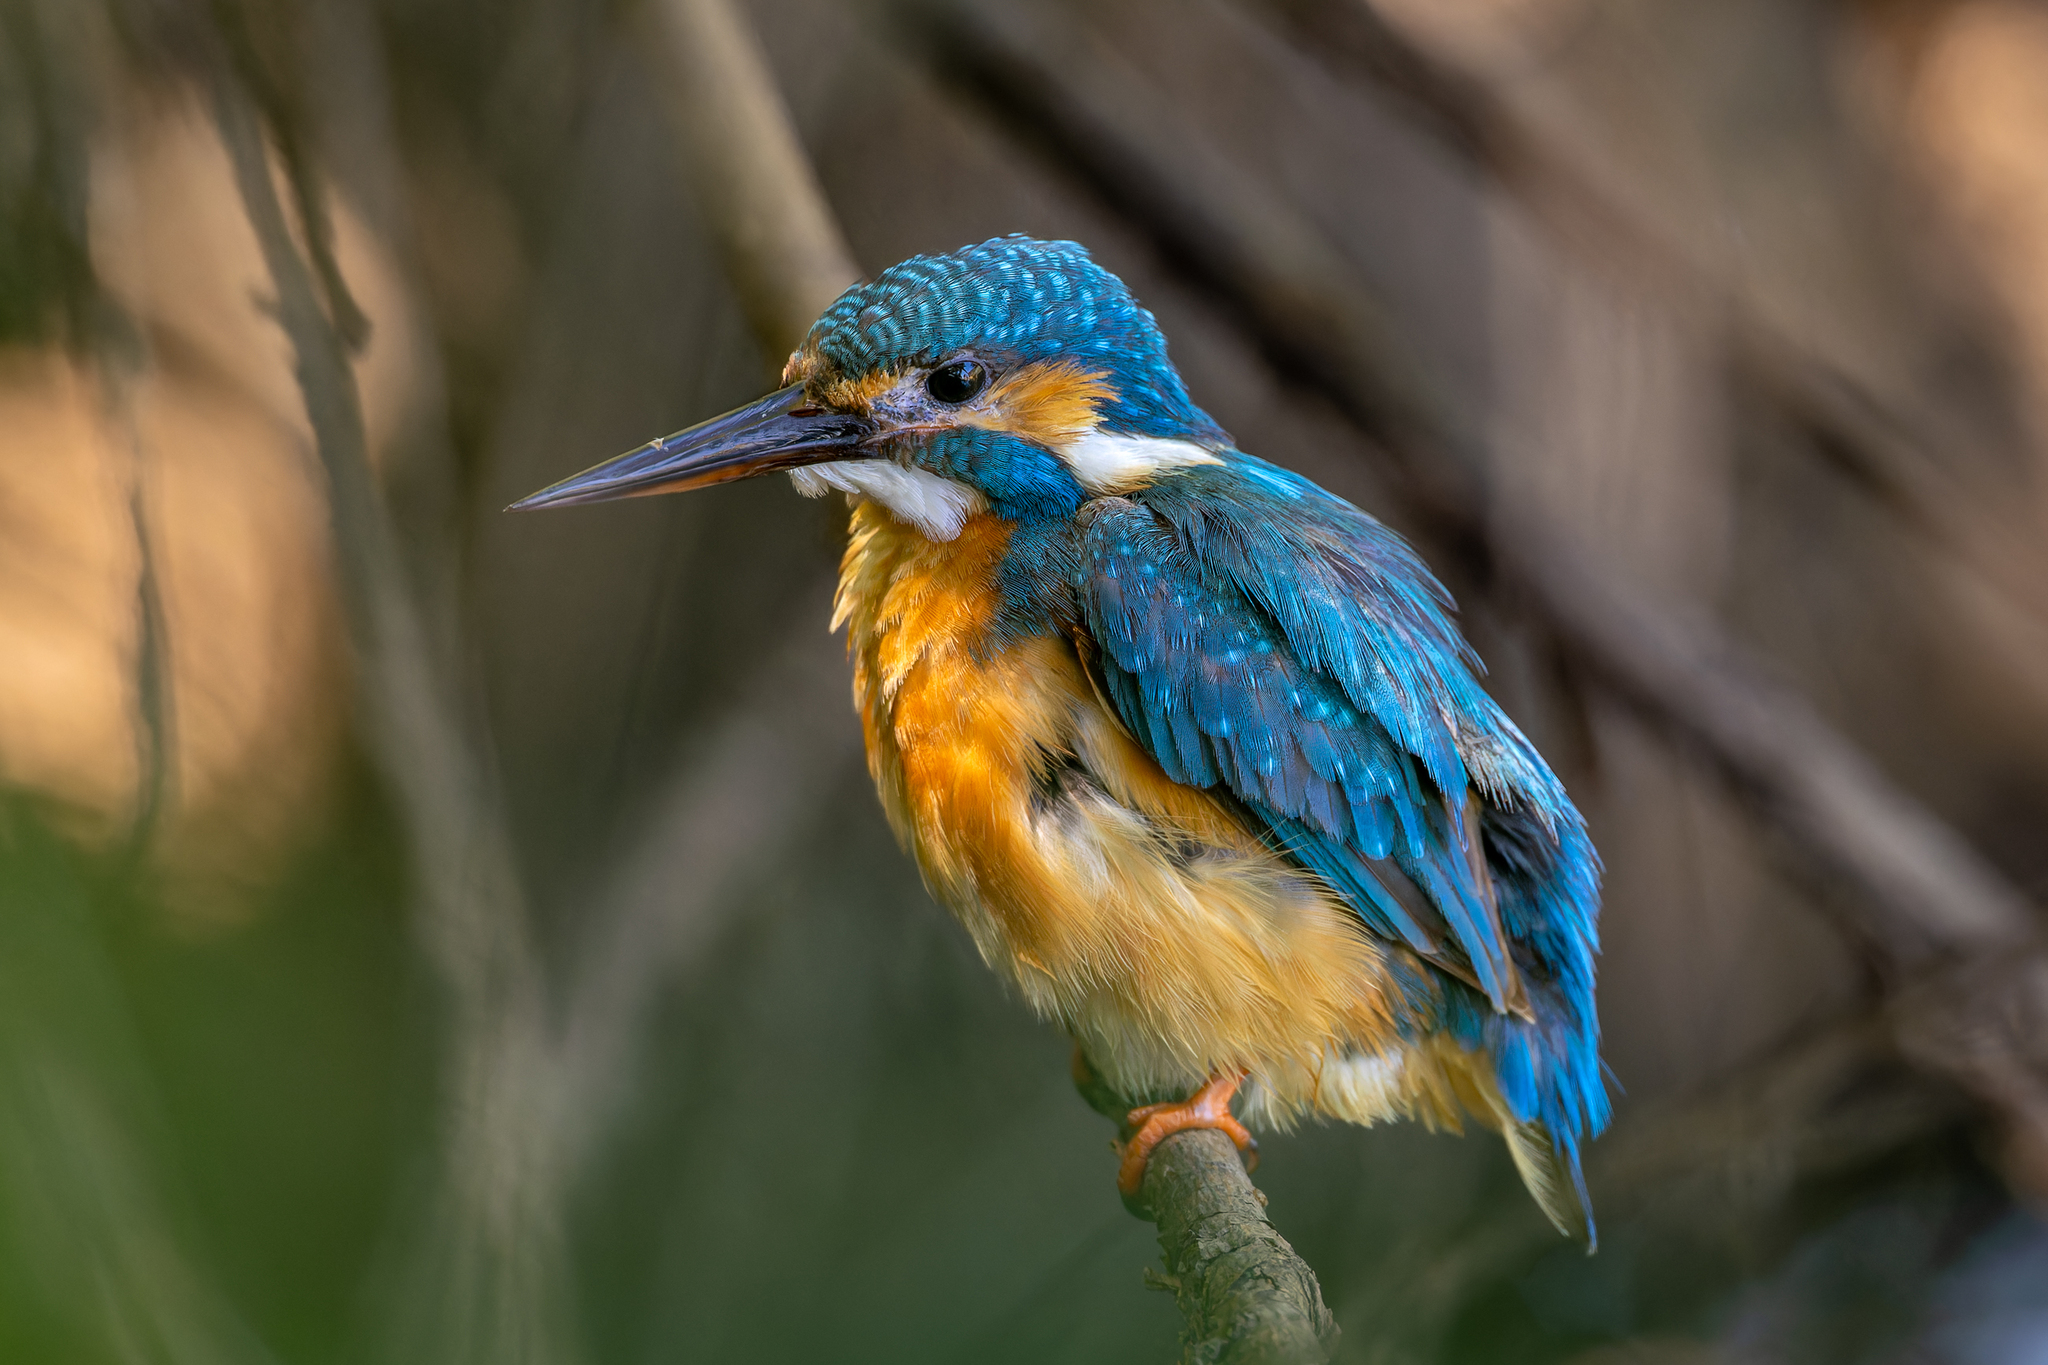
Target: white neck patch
[
  {"x": 937, "y": 506},
  {"x": 1106, "y": 462}
]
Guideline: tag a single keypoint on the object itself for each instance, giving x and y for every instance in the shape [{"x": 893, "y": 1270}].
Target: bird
[{"x": 1191, "y": 747}]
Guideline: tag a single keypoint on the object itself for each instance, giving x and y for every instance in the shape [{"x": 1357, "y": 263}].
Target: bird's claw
[{"x": 1208, "y": 1107}]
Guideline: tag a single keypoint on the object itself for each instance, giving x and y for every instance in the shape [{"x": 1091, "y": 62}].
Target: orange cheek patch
[{"x": 1050, "y": 403}]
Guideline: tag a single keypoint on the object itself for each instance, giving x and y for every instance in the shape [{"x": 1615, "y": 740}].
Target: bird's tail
[
  {"x": 1546, "y": 1155},
  {"x": 1551, "y": 1171}
]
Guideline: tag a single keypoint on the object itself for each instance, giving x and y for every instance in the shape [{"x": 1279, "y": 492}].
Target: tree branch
[
  {"x": 1247, "y": 1298},
  {"x": 1243, "y": 1293}
]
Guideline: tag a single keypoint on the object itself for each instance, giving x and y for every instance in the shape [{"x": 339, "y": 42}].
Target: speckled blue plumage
[
  {"x": 1260, "y": 635},
  {"x": 1268, "y": 641},
  {"x": 1010, "y": 299}
]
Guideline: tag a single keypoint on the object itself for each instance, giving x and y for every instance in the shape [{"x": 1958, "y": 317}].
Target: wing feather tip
[{"x": 1554, "y": 1180}]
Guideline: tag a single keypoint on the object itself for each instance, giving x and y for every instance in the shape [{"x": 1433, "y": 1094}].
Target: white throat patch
[
  {"x": 1106, "y": 462},
  {"x": 936, "y": 506}
]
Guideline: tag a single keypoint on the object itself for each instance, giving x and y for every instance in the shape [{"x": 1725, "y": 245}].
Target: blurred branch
[
  {"x": 460, "y": 847},
  {"x": 1984, "y": 1023},
  {"x": 1920, "y": 893},
  {"x": 1919, "y": 889},
  {"x": 1901, "y": 444},
  {"x": 155, "y": 691},
  {"x": 506, "y": 1249},
  {"x": 776, "y": 755},
  {"x": 529, "y": 1101},
  {"x": 782, "y": 247},
  {"x": 1831, "y": 1102},
  {"x": 1834, "y": 1100},
  {"x": 279, "y": 101}
]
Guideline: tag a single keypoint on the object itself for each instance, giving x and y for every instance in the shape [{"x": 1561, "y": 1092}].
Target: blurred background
[{"x": 428, "y": 935}]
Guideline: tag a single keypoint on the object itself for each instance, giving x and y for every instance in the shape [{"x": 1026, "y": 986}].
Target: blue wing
[{"x": 1260, "y": 636}]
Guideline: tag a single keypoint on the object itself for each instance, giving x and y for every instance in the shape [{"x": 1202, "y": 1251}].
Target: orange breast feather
[{"x": 1134, "y": 910}]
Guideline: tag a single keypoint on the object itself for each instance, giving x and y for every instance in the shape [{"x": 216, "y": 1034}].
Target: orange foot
[{"x": 1208, "y": 1107}]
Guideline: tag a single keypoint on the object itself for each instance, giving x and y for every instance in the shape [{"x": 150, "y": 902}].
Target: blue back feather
[{"x": 1259, "y": 635}]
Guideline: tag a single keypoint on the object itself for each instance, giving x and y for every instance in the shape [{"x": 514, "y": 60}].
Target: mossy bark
[{"x": 1247, "y": 1298}]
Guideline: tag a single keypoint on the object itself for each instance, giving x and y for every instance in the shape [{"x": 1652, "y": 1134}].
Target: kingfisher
[{"x": 1190, "y": 746}]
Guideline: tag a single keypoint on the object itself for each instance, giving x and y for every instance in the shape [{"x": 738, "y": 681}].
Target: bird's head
[{"x": 1017, "y": 377}]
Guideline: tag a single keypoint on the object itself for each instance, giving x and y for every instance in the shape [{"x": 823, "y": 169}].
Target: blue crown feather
[{"x": 1010, "y": 299}]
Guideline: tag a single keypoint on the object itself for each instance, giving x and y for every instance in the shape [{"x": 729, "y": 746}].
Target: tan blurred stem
[
  {"x": 755, "y": 186},
  {"x": 156, "y": 735},
  {"x": 504, "y": 1296}
]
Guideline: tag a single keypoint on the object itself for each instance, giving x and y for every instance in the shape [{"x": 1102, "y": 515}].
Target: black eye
[{"x": 957, "y": 381}]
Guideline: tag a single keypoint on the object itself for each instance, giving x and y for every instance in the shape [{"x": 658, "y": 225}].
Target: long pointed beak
[{"x": 778, "y": 432}]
